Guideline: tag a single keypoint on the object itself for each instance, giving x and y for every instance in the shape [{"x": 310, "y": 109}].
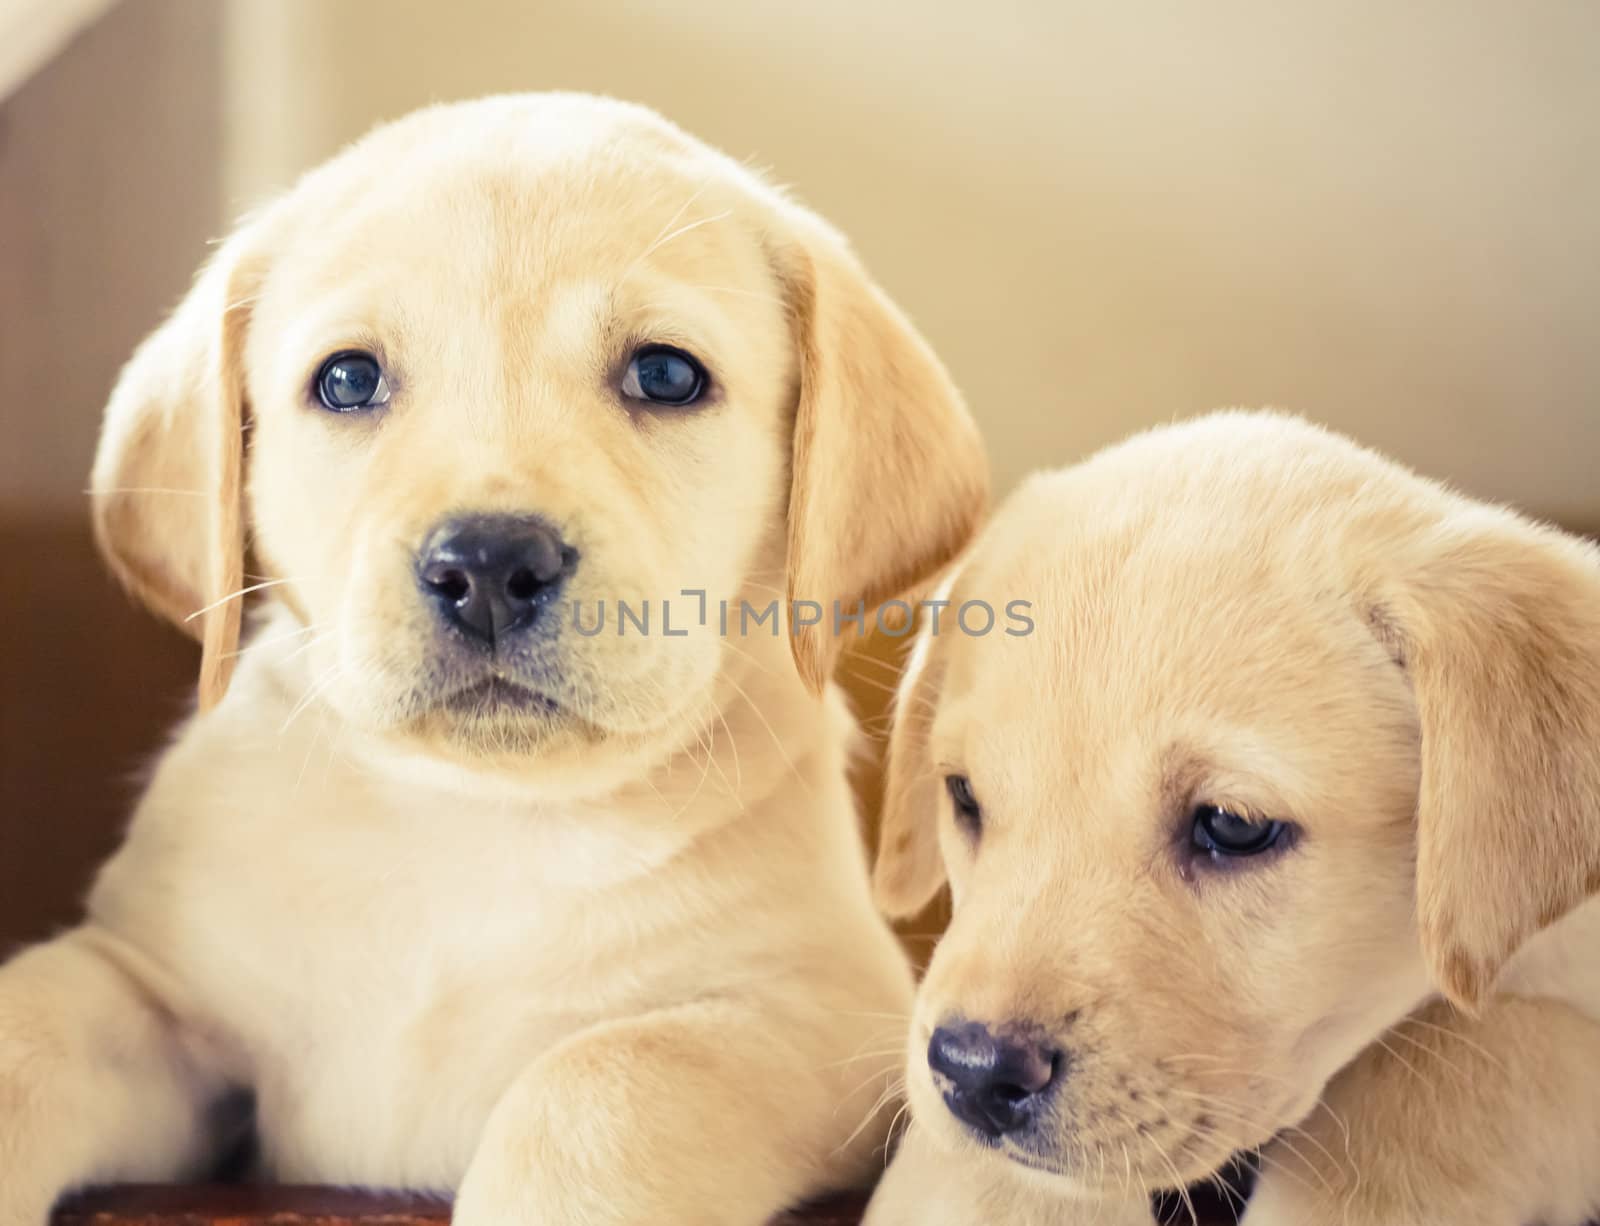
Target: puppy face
[
  {"x": 1196, "y": 825},
  {"x": 526, "y": 384},
  {"x": 515, "y": 424}
]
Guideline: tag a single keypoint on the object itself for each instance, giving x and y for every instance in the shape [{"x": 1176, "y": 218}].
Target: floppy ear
[
  {"x": 889, "y": 476},
  {"x": 909, "y": 869},
  {"x": 1497, "y": 622},
  {"x": 168, "y": 475}
]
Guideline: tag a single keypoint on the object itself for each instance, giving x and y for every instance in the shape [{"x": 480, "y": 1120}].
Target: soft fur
[
  {"x": 1398, "y": 1006},
  {"x": 609, "y": 962}
]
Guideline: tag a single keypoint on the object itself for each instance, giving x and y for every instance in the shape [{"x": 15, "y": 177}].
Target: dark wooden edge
[
  {"x": 243, "y": 1205},
  {"x": 203, "y": 1205},
  {"x": 262, "y": 1205},
  {"x": 281, "y": 1205}
]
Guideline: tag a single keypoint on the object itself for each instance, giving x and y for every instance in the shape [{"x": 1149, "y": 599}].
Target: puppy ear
[
  {"x": 910, "y": 869},
  {"x": 168, "y": 476},
  {"x": 1497, "y": 622},
  {"x": 889, "y": 476}
]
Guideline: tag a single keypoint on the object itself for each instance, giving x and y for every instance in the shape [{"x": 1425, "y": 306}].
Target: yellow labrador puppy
[
  {"x": 1278, "y": 832},
  {"x": 517, "y": 856}
]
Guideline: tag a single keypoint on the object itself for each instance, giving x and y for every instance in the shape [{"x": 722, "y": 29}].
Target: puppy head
[
  {"x": 485, "y": 395},
  {"x": 1299, "y": 739}
]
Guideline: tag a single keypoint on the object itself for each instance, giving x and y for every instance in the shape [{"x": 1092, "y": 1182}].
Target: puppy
[
  {"x": 1277, "y": 834},
  {"x": 472, "y": 877}
]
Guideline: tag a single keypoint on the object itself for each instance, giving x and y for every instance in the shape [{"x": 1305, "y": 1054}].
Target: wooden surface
[
  {"x": 218, "y": 1205},
  {"x": 236, "y": 1206},
  {"x": 231, "y": 1205},
  {"x": 260, "y": 1206}
]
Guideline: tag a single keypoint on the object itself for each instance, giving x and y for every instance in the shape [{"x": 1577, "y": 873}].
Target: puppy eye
[
  {"x": 351, "y": 381},
  {"x": 1222, "y": 833},
  {"x": 664, "y": 375},
  {"x": 969, "y": 816}
]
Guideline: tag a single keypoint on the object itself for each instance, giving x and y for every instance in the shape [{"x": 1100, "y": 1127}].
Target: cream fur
[
  {"x": 618, "y": 963},
  {"x": 1401, "y": 1008}
]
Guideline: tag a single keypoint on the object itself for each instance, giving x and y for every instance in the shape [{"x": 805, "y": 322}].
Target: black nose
[
  {"x": 993, "y": 1083},
  {"x": 490, "y": 575}
]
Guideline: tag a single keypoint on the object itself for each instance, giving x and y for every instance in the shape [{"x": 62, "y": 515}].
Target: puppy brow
[
  {"x": 672, "y": 221},
  {"x": 685, "y": 228},
  {"x": 1182, "y": 771}
]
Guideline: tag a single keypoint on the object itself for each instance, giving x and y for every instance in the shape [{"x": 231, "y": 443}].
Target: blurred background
[{"x": 1103, "y": 215}]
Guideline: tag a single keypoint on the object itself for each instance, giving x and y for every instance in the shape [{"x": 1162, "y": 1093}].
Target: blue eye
[
  {"x": 1222, "y": 833},
  {"x": 664, "y": 375},
  {"x": 351, "y": 381},
  {"x": 969, "y": 814}
]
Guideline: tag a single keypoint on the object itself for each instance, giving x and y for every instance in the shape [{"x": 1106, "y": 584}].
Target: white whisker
[{"x": 244, "y": 591}]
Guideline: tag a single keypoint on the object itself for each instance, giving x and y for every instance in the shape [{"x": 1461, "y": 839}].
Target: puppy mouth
[
  {"x": 495, "y": 698},
  {"x": 1090, "y": 1145},
  {"x": 1220, "y": 1195}
]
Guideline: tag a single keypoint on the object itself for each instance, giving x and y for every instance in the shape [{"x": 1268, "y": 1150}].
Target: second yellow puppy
[{"x": 1279, "y": 833}]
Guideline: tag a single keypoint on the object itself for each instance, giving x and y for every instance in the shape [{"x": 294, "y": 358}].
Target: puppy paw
[
  {"x": 1278, "y": 1202},
  {"x": 25, "y": 1194}
]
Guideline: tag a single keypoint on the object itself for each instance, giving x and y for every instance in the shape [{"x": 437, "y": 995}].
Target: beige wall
[
  {"x": 1385, "y": 215},
  {"x": 108, "y": 191}
]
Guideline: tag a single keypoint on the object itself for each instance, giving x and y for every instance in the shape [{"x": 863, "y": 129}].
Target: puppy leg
[
  {"x": 926, "y": 1186},
  {"x": 710, "y": 1114},
  {"x": 1453, "y": 1120},
  {"x": 96, "y": 1082}
]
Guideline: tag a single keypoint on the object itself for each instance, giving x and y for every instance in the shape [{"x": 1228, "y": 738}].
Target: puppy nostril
[
  {"x": 523, "y": 584},
  {"x": 993, "y": 1080},
  {"x": 1012, "y": 1094},
  {"x": 452, "y": 584},
  {"x": 490, "y": 576}
]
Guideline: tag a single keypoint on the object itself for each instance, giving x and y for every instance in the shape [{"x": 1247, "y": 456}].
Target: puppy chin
[
  {"x": 1051, "y": 1175},
  {"x": 499, "y": 721},
  {"x": 950, "y": 1135}
]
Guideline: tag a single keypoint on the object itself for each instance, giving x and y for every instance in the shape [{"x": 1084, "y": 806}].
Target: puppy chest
[
  {"x": 389, "y": 1094},
  {"x": 380, "y": 1038},
  {"x": 391, "y": 1081}
]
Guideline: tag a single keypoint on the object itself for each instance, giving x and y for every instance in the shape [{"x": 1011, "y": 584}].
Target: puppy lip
[
  {"x": 989, "y": 1140},
  {"x": 495, "y": 694},
  {"x": 1032, "y": 1162}
]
